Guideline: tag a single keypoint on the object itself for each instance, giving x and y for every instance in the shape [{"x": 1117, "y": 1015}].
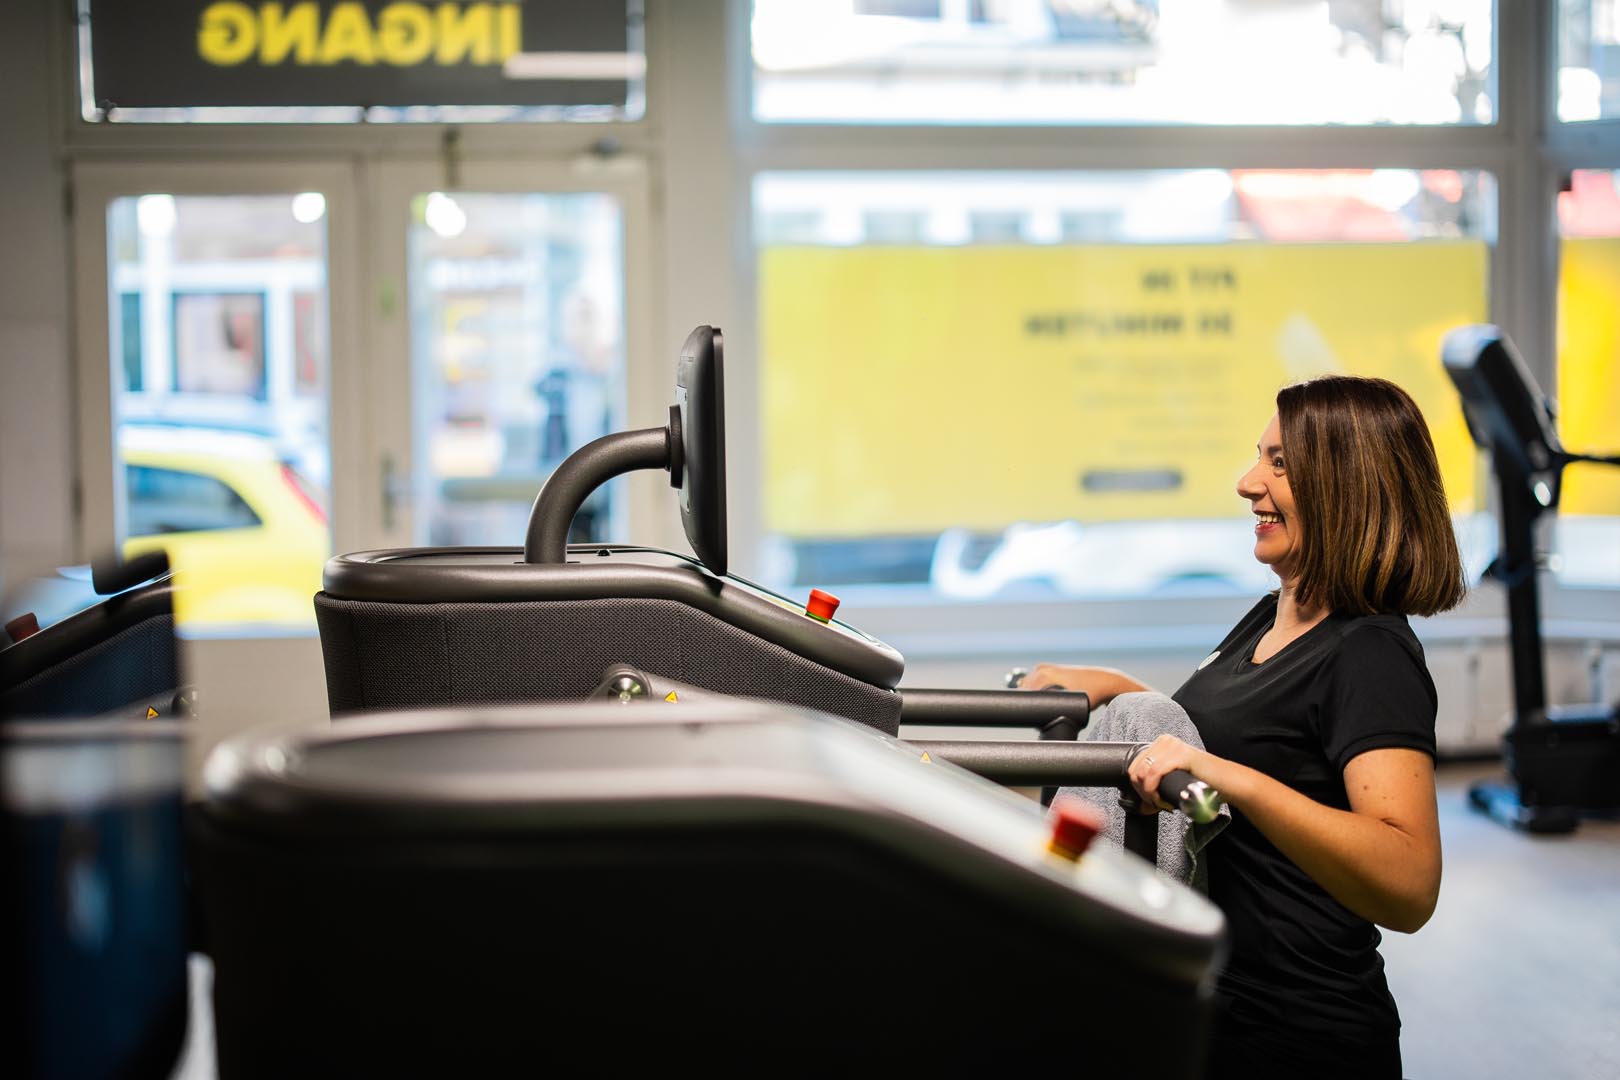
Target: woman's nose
[{"x": 1249, "y": 487}]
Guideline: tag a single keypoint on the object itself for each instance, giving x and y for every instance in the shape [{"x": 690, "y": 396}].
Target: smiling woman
[{"x": 1317, "y": 717}]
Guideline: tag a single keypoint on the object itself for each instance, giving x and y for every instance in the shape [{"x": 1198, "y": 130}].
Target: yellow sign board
[
  {"x": 1589, "y": 371},
  {"x": 910, "y": 389}
]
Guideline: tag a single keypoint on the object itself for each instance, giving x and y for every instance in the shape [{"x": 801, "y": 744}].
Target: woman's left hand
[{"x": 1163, "y": 756}]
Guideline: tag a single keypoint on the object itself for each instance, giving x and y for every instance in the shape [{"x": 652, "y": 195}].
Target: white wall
[{"x": 36, "y": 403}]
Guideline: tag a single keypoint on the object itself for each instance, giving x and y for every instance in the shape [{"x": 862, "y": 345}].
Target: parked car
[
  {"x": 1104, "y": 559},
  {"x": 245, "y": 530},
  {"x": 1135, "y": 558}
]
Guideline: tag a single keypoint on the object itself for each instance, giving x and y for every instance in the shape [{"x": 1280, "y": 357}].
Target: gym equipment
[
  {"x": 429, "y": 627},
  {"x": 1558, "y": 757},
  {"x": 115, "y": 654},
  {"x": 725, "y": 884},
  {"x": 92, "y": 751}
]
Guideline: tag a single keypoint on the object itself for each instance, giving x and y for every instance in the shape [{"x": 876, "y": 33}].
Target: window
[
  {"x": 1588, "y": 60},
  {"x": 127, "y": 332},
  {"x": 1125, "y": 62},
  {"x": 1588, "y": 388},
  {"x": 1051, "y": 351},
  {"x": 219, "y": 344},
  {"x": 1021, "y": 397},
  {"x": 170, "y": 501},
  {"x": 219, "y": 360},
  {"x": 309, "y": 341},
  {"x": 517, "y": 313}
]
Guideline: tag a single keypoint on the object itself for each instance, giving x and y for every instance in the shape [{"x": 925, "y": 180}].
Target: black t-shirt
[{"x": 1348, "y": 685}]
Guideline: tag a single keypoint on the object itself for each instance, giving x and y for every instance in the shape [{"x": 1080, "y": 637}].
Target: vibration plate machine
[
  {"x": 628, "y": 805},
  {"x": 423, "y": 627}
]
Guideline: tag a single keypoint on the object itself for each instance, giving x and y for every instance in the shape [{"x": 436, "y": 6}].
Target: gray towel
[{"x": 1142, "y": 717}]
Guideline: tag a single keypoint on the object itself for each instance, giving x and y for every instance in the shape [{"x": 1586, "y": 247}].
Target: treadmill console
[{"x": 699, "y": 424}]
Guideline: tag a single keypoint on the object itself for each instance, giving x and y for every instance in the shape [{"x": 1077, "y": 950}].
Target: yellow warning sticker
[
  {"x": 150, "y": 712},
  {"x": 671, "y": 697},
  {"x": 926, "y": 760}
]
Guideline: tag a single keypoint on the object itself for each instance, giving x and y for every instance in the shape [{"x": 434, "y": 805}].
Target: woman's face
[{"x": 1265, "y": 485}]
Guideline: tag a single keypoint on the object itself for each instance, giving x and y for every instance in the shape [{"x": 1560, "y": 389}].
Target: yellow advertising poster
[
  {"x": 910, "y": 389},
  {"x": 1589, "y": 371}
]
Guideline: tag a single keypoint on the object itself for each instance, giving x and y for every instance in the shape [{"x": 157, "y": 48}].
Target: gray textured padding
[
  {"x": 135, "y": 663},
  {"x": 493, "y": 575},
  {"x": 401, "y": 655}
]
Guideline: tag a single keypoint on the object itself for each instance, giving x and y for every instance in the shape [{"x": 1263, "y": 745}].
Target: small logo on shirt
[{"x": 1208, "y": 660}]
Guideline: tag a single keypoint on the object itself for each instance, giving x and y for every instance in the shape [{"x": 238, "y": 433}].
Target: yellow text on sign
[
  {"x": 910, "y": 389},
  {"x": 402, "y": 34}
]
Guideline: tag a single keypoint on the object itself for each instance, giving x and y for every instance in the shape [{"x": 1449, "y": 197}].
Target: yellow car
[{"x": 246, "y": 532}]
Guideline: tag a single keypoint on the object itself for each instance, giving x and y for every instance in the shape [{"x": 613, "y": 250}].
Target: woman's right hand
[
  {"x": 1100, "y": 684},
  {"x": 1049, "y": 677}
]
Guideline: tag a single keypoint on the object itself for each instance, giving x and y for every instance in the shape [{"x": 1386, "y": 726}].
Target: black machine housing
[
  {"x": 420, "y": 627},
  {"x": 1559, "y": 756},
  {"x": 748, "y": 888},
  {"x": 93, "y": 913}
]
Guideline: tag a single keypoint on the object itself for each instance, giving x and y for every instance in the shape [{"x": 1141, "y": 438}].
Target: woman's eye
[{"x": 1277, "y": 463}]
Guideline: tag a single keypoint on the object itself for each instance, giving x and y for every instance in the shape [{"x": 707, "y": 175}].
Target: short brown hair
[{"x": 1375, "y": 528}]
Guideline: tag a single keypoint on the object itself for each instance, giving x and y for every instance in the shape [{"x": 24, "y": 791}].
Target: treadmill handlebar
[
  {"x": 112, "y": 573},
  {"x": 1066, "y": 764},
  {"x": 585, "y": 470},
  {"x": 1195, "y": 798},
  {"x": 1033, "y": 709}
]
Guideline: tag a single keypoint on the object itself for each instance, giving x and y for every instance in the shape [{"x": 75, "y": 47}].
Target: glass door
[
  {"x": 206, "y": 384},
  {"x": 508, "y": 300}
]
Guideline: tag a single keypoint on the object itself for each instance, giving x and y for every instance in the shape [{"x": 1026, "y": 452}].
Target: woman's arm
[
  {"x": 1100, "y": 684},
  {"x": 1380, "y": 858}
]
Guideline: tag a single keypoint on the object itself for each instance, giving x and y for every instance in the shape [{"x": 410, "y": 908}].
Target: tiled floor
[{"x": 1518, "y": 973}]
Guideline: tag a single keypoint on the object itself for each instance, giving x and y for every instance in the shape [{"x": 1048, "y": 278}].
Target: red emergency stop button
[
  {"x": 822, "y": 605},
  {"x": 1074, "y": 826}
]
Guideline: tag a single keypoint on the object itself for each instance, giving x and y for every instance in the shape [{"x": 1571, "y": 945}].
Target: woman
[{"x": 1317, "y": 716}]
